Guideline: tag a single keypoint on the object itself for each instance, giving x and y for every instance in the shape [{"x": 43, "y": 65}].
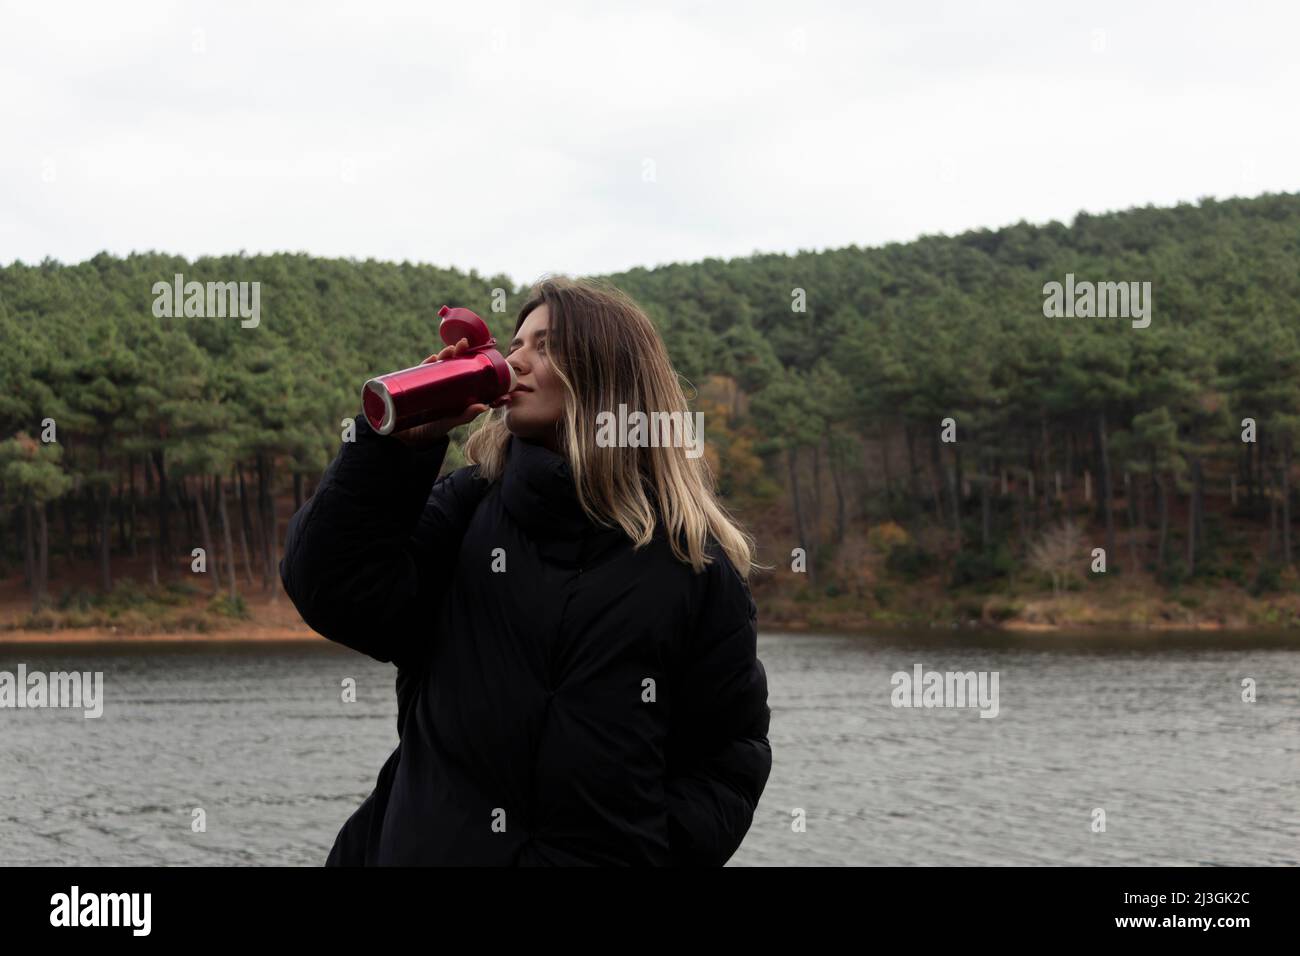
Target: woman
[{"x": 574, "y": 636}]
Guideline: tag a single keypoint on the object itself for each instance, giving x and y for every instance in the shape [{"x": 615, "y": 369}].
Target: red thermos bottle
[{"x": 425, "y": 393}]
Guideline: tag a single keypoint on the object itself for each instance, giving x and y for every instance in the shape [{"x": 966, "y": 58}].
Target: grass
[
  {"x": 136, "y": 609},
  {"x": 907, "y": 586}
]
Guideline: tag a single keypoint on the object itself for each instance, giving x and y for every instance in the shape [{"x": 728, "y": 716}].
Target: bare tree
[{"x": 1058, "y": 553}]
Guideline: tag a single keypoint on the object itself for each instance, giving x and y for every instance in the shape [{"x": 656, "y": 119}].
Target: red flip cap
[{"x": 460, "y": 324}]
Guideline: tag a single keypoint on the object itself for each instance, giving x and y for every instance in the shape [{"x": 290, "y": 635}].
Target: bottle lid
[{"x": 460, "y": 324}]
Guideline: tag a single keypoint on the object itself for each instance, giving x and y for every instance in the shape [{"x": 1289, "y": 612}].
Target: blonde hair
[{"x": 606, "y": 351}]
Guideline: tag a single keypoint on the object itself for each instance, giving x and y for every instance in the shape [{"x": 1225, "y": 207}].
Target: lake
[{"x": 1149, "y": 728}]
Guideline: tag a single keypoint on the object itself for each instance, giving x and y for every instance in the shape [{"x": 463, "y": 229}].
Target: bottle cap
[{"x": 460, "y": 324}]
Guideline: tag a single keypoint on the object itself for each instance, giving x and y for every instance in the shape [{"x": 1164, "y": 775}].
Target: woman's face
[{"x": 537, "y": 403}]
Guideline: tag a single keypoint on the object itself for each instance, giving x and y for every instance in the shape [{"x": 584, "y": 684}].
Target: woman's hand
[{"x": 422, "y": 436}]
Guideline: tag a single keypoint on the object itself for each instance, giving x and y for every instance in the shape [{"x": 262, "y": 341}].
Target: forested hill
[{"x": 847, "y": 362}]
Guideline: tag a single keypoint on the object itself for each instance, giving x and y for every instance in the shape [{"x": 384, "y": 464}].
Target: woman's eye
[{"x": 539, "y": 347}]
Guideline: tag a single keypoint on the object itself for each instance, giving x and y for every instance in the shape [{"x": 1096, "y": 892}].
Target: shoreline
[
  {"x": 302, "y": 634},
  {"x": 104, "y": 635}
]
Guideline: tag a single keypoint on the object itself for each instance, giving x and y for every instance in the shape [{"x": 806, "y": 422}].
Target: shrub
[
  {"x": 887, "y": 536},
  {"x": 126, "y": 593},
  {"x": 1235, "y": 572},
  {"x": 75, "y": 599},
  {"x": 1173, "y": 574},
  {"x": 227, "y": 606},
  {"x": 909, "y": 561},
  {"x": 999, "y": 611},
  {"x": 1268, "y": 579},
  {"x": 41, "y": 620},
  {"x": 978, "y": 567}
]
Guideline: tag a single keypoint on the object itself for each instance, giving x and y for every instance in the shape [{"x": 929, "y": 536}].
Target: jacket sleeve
[
  {"x": 368, "y": 555},
  {"x": 719, "y": 755}
]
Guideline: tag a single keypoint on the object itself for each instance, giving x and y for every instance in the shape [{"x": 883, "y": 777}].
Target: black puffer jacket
[{"x": 562, "y": 697}]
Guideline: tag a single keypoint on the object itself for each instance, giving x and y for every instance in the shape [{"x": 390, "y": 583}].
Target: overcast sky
[{"x": 527, "y": 138}]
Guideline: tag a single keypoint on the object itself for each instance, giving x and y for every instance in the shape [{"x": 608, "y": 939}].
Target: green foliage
[
  {"x": 1268, "y": 579},
  {"x": 910, "y": 562},
  {"x": 892, "y": 341},
  {"x": 1174, "y": 574},
  {"x": 126, "y": 595},
  {"x": 982, "y": 567},
  {"x": 226, "y": 606}
]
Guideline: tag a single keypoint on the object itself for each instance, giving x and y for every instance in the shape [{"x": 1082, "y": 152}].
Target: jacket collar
[{"x": 539, "y": 493}]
